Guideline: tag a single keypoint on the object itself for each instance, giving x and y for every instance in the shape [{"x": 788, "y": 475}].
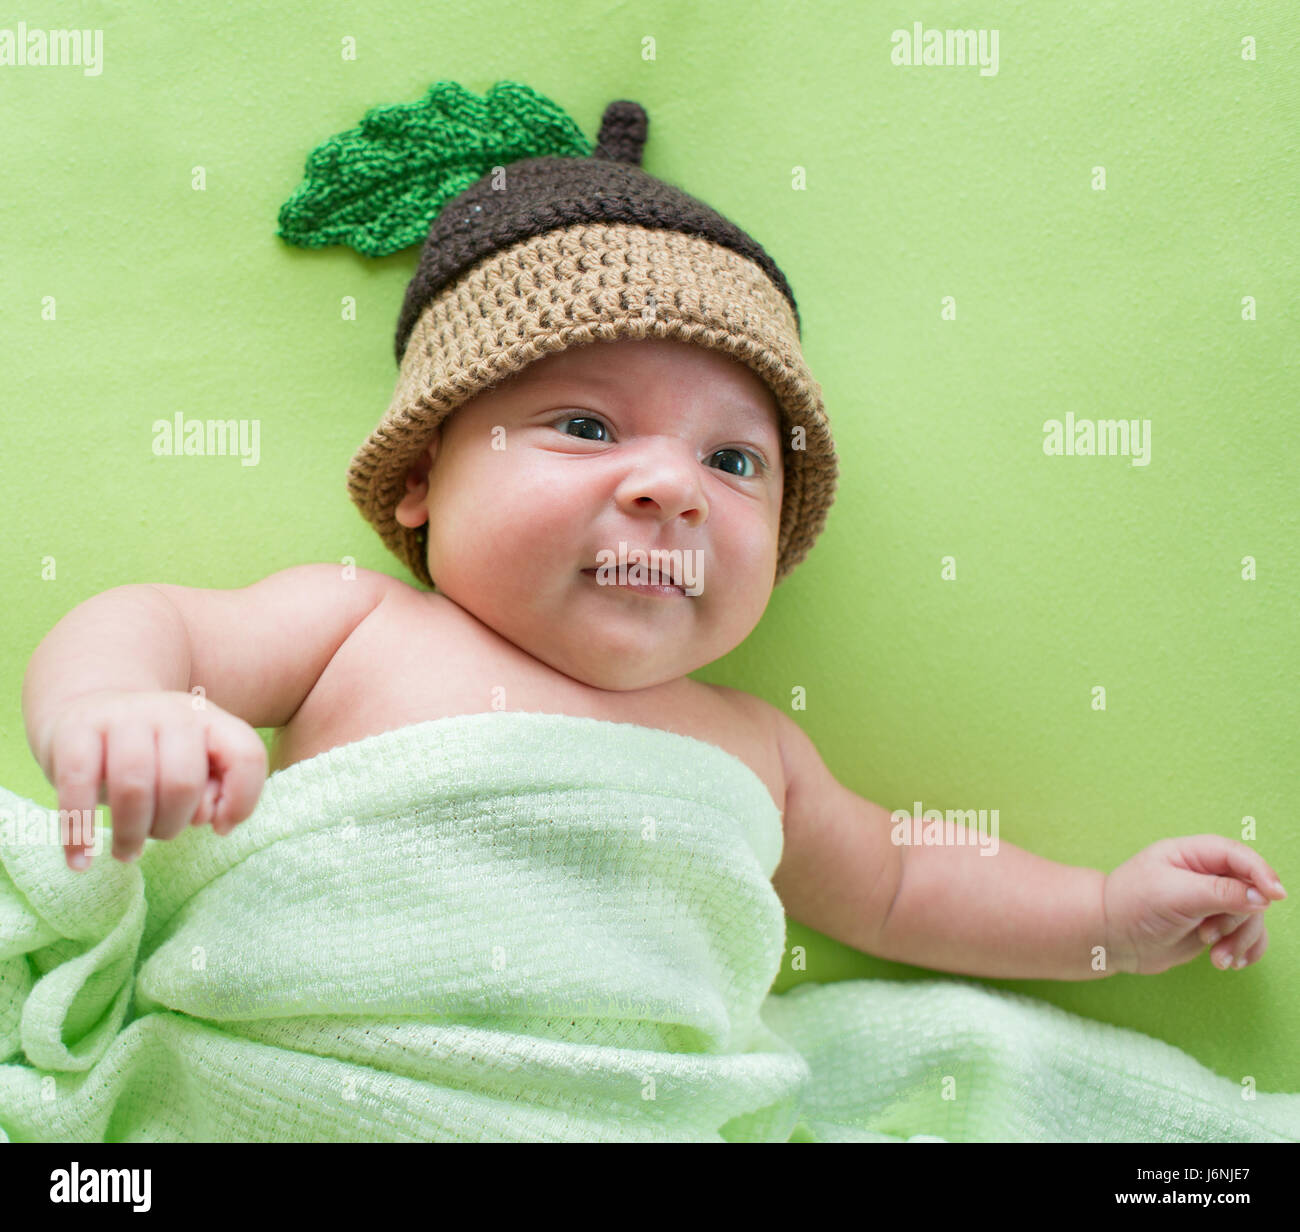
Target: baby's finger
[
  {"x": 207, "y": 804},
  {"x": 1197, "y": 895},
  {"x": 1215, "y": 927},
  {"x": 78, "y": 771},
  {"x": 132, "y": 772},
  {"x": 182, "y": 776},
  {"x": 1244, "y": 939},
  {"x": 1219, "y": 856},
  {"x": 1231, "y": 950},
  {"x": 240, "y": 759},
  {"x": 1256, "y": 951}
]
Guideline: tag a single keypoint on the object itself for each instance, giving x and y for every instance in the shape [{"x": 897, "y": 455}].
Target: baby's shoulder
[
  {"x": 750, "y": 710},
  {"x": 795, "y": 756},
  {"x": 397, "y": 598},
  {"x": 758, "y": 720},
  {"x": 735, "y": 721},
  {"x": 326, "y": 581}
]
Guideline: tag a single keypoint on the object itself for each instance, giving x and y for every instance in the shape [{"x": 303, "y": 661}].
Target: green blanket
[{"x": 517, "y": 926}]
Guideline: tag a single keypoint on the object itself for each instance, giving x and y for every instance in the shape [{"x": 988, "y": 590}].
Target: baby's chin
[
  {"x": 603, "y": 635},
  {"x": 612, "y": 653}
]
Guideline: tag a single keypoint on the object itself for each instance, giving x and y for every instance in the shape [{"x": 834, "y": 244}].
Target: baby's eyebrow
[{"x": 747, "y": 414}]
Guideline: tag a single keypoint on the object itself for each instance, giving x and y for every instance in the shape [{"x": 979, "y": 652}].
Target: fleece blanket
[{"x": 514, "y": 926}]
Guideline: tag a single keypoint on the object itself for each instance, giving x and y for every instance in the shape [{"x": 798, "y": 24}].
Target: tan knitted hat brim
[{"x": 586, "y": 283}]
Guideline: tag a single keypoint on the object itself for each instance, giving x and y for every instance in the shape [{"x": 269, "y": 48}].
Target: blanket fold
[{"x": 515, "y": 926}]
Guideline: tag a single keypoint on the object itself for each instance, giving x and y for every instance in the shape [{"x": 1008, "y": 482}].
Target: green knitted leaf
[{"x": 379, "y": 187}]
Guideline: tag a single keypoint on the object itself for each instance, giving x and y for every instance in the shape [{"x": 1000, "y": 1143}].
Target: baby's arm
[
  {"x": 125, "y": 660},
  {"x": 1009, "y": 915}
]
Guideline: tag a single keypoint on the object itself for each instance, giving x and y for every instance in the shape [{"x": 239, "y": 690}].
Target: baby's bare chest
[{"x": 419, "y": 657}]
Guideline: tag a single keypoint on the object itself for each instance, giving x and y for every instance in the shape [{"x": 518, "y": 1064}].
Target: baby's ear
[{"x": 411, "y": 511}]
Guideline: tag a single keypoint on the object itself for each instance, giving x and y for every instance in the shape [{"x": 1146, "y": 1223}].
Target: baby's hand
[
  {"x": 1167, "y": 902},
  {"x": 160, "y": 764}
]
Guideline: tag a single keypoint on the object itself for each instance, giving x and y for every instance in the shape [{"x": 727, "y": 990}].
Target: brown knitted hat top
[{"x": 538, "y": 254}]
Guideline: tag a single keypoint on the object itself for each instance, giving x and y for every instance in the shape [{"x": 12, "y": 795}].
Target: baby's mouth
[{"x": 656, "y": 585}]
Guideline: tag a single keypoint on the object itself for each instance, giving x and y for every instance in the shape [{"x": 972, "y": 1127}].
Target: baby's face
[{"x": 655, "y": 444}]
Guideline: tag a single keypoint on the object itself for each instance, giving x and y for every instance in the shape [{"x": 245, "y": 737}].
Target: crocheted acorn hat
[{"x": 537, "y": 242}]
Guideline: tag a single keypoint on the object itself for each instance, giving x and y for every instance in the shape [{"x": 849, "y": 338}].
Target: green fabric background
[{"x": 921, "y": 183}]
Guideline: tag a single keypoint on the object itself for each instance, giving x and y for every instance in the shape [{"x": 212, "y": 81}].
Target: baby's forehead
[{"x": 630, "y": 365}]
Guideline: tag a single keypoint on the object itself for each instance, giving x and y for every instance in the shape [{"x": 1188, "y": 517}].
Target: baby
[
  {"x": 657, "y": 414},
  {"x": 656, "y": 445}
]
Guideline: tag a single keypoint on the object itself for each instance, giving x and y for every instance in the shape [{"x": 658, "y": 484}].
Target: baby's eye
[
  {"x": 582, "y": 419},
  {"x": 744, "y": 456},
  {"x": 593, "y": 424}
]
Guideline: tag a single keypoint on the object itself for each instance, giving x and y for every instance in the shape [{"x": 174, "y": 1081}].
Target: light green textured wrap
[{"x": 517, "y": 926}]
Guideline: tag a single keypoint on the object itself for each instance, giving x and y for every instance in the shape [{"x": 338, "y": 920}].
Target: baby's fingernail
[
  {"x": 1277, "y": 885},
  {"x": 79, "y": 860},
  {"x": 1213, "y": 937},
  {"x": 1223, "y": 962},
  {"x": 1241, "y": 962},
  {"x": 1254, "y": 896}
]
